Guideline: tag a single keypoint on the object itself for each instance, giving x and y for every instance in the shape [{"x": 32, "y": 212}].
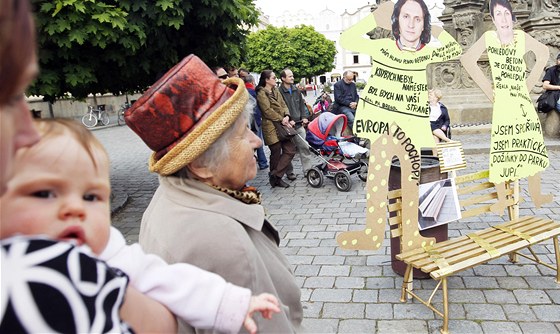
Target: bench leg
[
  {"x": 513, "y": 257},
  {"x": 407, "y": 283},
  {"x": 445, "y": 328},
  {"x": 557, "y": 252}
]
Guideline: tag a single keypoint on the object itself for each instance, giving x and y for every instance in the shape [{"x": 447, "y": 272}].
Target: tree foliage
[
  {"x": 117, "y": 46},
  {"x": 305, "y": 51}
]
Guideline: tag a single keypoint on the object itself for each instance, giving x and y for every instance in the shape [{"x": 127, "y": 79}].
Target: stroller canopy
[{"x": 327, "y": 124}]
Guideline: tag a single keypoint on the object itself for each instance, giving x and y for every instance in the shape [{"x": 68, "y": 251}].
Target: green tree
[
  {"x": 117, "y": 46},
  {"x": 302, "y": 49}
]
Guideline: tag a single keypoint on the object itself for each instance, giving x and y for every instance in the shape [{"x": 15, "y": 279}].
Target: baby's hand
[{"x": 265, "y": 303}]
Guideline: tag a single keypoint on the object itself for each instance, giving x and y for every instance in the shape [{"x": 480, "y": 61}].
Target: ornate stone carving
[
  {"x": 545, "y": 8},
  {"x": 464, "y": 24}
]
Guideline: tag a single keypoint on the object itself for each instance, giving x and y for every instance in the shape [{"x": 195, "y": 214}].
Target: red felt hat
[{"x": 185, "y": 112}]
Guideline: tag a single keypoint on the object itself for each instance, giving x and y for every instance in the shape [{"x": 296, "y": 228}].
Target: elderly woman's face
[
  {"x": 411, "y": 23},
  {"x": 241, "y": 165}
]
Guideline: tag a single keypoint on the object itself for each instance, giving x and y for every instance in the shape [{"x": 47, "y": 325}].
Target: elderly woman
[
  {"x": 203, "y": 213},
  {"x": 274, "y": 109}
]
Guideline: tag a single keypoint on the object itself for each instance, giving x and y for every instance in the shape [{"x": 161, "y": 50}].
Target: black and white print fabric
[{"x": 56, "y": 287}]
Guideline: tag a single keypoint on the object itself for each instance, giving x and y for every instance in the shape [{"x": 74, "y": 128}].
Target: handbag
[
  {"x": 284, "y": 132},
  {"x": 547, "y": 101}
]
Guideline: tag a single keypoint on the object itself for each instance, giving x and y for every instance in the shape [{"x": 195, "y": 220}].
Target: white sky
[{"x": 277, "y": 7}]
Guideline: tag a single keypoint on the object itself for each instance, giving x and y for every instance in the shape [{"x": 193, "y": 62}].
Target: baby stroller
[{"x": 341, "y": 156}]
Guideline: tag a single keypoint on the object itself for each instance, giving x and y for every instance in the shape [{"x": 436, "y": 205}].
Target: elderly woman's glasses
[{"x": 223, "y": 76}]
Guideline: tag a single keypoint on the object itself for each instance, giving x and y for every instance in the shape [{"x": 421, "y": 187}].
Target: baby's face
[{"x": 57, "y": 191}]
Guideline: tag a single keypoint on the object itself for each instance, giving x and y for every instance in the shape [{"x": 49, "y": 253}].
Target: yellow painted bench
[{"x": 443, "y": 259}]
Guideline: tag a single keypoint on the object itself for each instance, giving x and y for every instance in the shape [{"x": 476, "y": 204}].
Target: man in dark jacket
[
  {"x": 551, "y": 81},
  {"x": 346, "y": 97},
  {"x": 298, "y": 114}
]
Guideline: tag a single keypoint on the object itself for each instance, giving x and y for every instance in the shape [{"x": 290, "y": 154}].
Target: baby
[{"x": 61, "y": 190}]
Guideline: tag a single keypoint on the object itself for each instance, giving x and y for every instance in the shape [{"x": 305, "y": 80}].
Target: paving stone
[
  {"x": 500, "y": 327},
  {"x": 379, "y": 311},
  {"x": 331, "y": 295},
  {"x": 538, "y": 328},
  {"x": 343, "y": 310},
  {"x": 334, "y": 271},
  {"x": 390, "y": 295},
  {"x": 412, "y": 311},
  {"x": 324, "y": 326},
  {"x": 456, "y": 326},
  {"x": 516, "y": 312},
  {"x": 380, "y": 283},
  {"x": 350, "y": 282},
  {"x": 357, "y": 326},
  {"x": 543, "y": 282},
  {"x": 484, "y": 312},
  {"x": 365, "y": 296},
  {"x": 531, "y": 296},
  {"x": 321, "y": 259},
  {"x": 512, "y": 283},
  {"x": 307, "y": 270},
  {"x": 500, "y": 296},
  {"x": 522, "y": 270},
  {"x": 547, "y": 312},
  {"x": 489, "y": 270},
  {"x": 365, "y": 271},
  {"x": 555, "y": 296},
  {"x": 312, "y": 309},
  {"x": 402, "y": 326},
  {"x": 466, "y": 296},
  {"x": 480, "y": 282},
  {"x": 319, "y": 282}
]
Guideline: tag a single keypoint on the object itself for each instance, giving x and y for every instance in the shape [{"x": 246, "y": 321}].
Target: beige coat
[
  {"x": 273, "y": 108},
  {"x": 189, "y": 221}
]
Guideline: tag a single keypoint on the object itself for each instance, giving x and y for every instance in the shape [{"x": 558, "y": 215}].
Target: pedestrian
[
  {"x": 256, "y": 124},
  {"x": 202, "y": 212},
  {"x": 274, "y": 109},
  {"x": 551, "y": 85},
  {"x": 220, "y": 72},
  {"x": 507, "y": 46},
  {"x": 439, "y": 117},
  {"x": 232, "y": 71},
  {"x": 300, "y": 116},
  {"x": 243, "y": 72},
  {"x": 346, "y": 97}
]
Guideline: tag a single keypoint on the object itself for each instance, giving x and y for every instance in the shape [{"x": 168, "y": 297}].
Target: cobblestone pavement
[{"x": 357, "y": 291}]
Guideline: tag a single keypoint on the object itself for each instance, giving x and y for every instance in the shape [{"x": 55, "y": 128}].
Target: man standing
[
  {"x": 346, "y": 97},
  {"x": 551, "y": 81},
  {"x": 299, "y": 116}
]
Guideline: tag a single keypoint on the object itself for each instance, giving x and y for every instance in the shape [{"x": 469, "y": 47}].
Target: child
[{"x": 61, "y": 189}]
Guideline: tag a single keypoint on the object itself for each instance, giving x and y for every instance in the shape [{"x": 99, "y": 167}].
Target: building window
[{"x": 356, "y": 59}]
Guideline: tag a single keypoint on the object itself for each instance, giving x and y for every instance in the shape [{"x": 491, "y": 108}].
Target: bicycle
[
  {"x": 120, "y": 118},
  {"x": 93, "y": 116}
]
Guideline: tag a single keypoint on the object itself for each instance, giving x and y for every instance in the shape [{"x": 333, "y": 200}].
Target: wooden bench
[{"x": 443, "y": 259}]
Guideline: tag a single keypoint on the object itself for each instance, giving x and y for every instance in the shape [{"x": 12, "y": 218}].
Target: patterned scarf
[{"x": 247, "y": 195}]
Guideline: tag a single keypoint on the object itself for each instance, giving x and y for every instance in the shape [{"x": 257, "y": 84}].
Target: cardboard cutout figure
[
  {"x": 394, "y": 113},
  {"x": 517, "y": 146}
]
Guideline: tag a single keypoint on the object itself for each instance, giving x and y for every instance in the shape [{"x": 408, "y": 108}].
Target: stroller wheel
[
  {"x": 315, "y": 177},
  {"x": 362, "y": 172},
  {"x": 342, "y": 180}
]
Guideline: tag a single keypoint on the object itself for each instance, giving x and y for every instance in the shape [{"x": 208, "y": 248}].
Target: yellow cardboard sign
[{"x": 393, "y": 111}]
